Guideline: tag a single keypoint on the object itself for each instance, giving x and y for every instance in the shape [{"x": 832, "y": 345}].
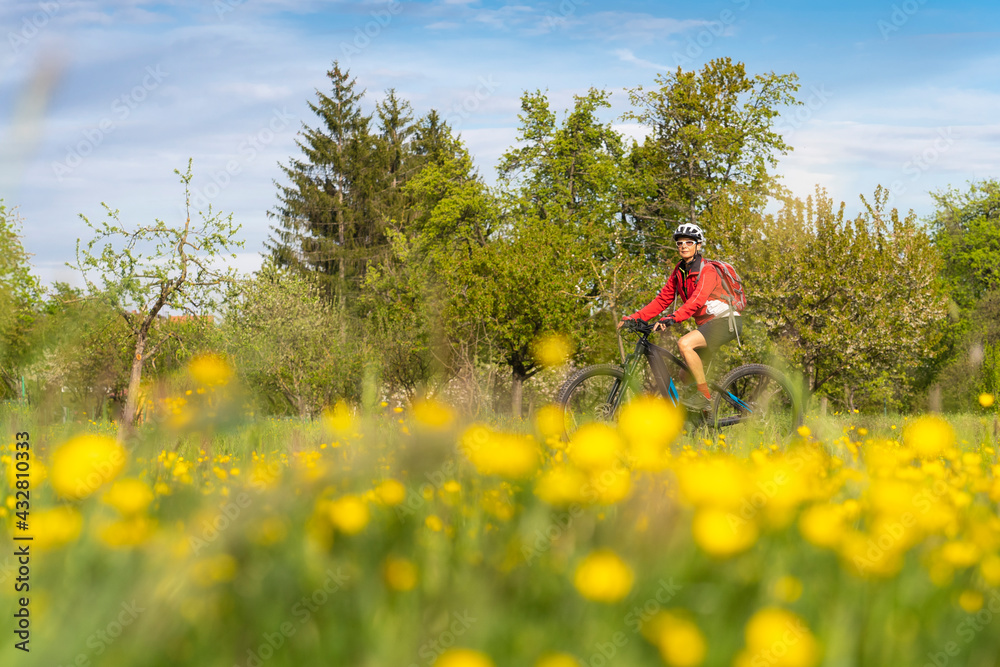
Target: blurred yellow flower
[
  {"x": 131, "y": 531},
  {"x": 129, "y": 496},
  {"x": 562, "y": 486},
  {"x": 929, "y": 436},
  {"x": 268, "y": 531},
  {"x": 823, "y": 525},
  {"x": 84, "y": 464},
  {"x": 349, "y": 514},
  {"x": 986, "y": 400},
  {"x": 595, "y": 446},
  {"x": 463, "y": 657},
  {"x": 787, "y": 588},
  {"x": 719, "y": 482},
  {"x": 781, "y": 638},
  {"x": 391, "y": 492},
  {"x": 990, "y": 569},
  {"x": 434, "y": 523},
  {"x": 603, "y": 577},
  {"x": 552, "y": 350},
  {"x": 339, "y": 419},
  {"x": 804, "y": 431},
  {"x": 432, "y": 414},
  {"x": 557, "y": 660},
  {"x": 549, "y": 421},
  {"x": 970, "y": 601},
  {"x": 511, "y": 455},
  {"x": 210, "y": 370},
  {"x": 649, "y": 424},
  {"x": 214, "y": 569},
  {"x": 679, "y": 639},
  {"x": 400, "y": 574},
  {"x": 721, "y": 533},
  {"x": 54, "y": 527}
]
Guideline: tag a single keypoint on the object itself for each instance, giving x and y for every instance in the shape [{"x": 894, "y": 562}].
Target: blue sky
[{"x": 100, "y": 100}]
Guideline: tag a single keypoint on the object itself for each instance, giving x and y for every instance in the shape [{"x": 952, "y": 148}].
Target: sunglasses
[{"x": 682, "y": 244}]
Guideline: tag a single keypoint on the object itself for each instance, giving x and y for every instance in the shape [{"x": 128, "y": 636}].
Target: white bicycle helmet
[{"x": 690, "y": 231}]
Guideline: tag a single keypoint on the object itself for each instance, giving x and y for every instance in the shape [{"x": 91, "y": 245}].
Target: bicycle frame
[{"x": 657, "y": 357}]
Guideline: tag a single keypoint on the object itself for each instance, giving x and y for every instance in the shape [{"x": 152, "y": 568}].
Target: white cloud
[{"x": 626, "y": 55}]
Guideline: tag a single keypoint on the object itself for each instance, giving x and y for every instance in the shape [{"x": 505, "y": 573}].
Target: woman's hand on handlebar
[{"x": 664, "y": 322}]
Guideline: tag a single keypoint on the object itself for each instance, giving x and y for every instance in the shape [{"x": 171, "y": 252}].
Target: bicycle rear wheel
[
  {"x": 592, "y": 394},
  {"x": 758, "y": 395}
]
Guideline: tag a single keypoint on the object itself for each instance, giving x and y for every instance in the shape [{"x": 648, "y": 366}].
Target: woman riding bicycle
[{"x": 705, "y": 299}]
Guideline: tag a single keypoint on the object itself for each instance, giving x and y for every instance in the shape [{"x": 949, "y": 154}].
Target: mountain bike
[{"x": 750, "y": 394}]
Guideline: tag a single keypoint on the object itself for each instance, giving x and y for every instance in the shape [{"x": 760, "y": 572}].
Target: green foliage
[
  {"x": 142, "y": 270},
  {"x": 277, "y": 330},
  {"x": 20, "y": 299},
  {"x": 712, "y": 135},
  {"x": 848, "y": 300}
]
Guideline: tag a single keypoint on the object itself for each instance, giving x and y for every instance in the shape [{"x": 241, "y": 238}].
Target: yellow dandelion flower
[
  {"x": 552, "y": 350},
  {"x": 649, "y": 424},
  {"x": 339, "y": 419},
  {"x": 595, "y": 447},
  {"x": 400, "y": 574},
  {"x": 823, "y": 525},
  {"x": 549, "y": 421},
  {"x": 990, "y": 569},
  {"x": 463, "y": 657},
  {"x": 679, "y": 639},
  {"x": 804, "y": 431},
  {"x": 434, "y": 523},
  {"x": 213, "y": 569},
  {"x": 128, "y": 532},
  {"x": 603, "y": 577},
  {"x": 971, "y": 601},
  {"x": 780, "y": 637},
  {"x": 270, "y": 530},
  {"x": 432, "y": 414},
  {"x": 84, "y": 464},
  {"x": 129, "y": 496},
  {"x": 210, "y": 370},
  {"x": 719, "y": 482},
  {"x": 986, "y": 400},
  {"x": 563, "y": 486},
  {"x": 511, "y": 455},
  {"x": 391, "y": 492},
  {"x": 929, "y": 436},
  {"x": 54, "y": 527},
  {"x": 557, "y": 660},
  {"x": 349, "y": 514},
  {"x": 722, "y": 533},
  {"x": 787, "y": 588}
]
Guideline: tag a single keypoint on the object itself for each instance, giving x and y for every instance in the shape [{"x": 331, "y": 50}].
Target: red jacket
[{"x": 684, "y": 282}]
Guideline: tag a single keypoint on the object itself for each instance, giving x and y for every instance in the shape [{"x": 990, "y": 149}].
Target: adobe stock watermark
[
  {"x": 459, "y": 624},
  {"x": 560, "y": 17},
  {"x": 605, "y": 652},
  {"x": 121, "y": 108},
  {"x": 246, "y": 152},
  {"x": 99, "y": 640},
  {"x": 462, "y": 110},
  {"x": 32, "y": 25},
  {"x": 817, "y": 99},
  {"x": 223, "y": 7},
  {"x": 303, "y": 610},
  {"x": 713, "y": 30},
  {"x": 967, "y": 629},
  {"x": 364, "y": 35},
  {"x": 900, "y": 16},
  {"x": 920, "y": 163}
]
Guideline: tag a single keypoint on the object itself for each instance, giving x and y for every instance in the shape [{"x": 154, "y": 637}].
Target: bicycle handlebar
[{"x": 638, "y": 326}]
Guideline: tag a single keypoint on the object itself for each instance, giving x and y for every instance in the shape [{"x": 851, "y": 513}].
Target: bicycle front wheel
[
  {"x": 760, "y": 396},
  {"x": 592, "y": 394}
]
